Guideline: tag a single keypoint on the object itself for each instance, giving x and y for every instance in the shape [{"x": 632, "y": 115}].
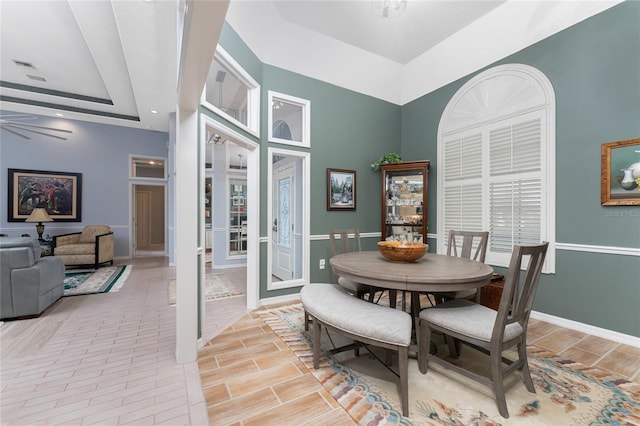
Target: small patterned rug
[
  {"x": 102, "y": 280},
  {"x": 216, "y": 287},
  {"x": 567, "y": 393}
]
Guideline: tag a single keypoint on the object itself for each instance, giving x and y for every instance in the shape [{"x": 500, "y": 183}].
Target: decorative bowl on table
[{"x": 402, "y": 251}]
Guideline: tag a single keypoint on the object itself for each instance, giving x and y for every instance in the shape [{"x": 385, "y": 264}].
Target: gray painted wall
[{"x": 101, "y": 153}]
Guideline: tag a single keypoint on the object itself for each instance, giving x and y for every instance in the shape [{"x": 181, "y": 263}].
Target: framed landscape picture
[
  {"x": 60, "y": 193},
  {"x": 341, "y": 189}
]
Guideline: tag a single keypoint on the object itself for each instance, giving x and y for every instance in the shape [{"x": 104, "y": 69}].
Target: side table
[{"x": 46, "y": 248}]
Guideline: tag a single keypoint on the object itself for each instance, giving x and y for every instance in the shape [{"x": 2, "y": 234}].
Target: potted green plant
[{"x": 391, "y": 157}]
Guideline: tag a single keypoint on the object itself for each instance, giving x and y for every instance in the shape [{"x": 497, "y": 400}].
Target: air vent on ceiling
[
  {"x": 23, "y": 64},
  {"x": 35, "y": 77}
]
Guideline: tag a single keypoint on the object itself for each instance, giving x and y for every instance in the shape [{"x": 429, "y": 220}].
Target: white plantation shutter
[
  {"x": 463, "y": 183},
  {"x": 493, "y": 180},
  {"x": 515, "y": 184},
  {"x": 496, "y": 161}
]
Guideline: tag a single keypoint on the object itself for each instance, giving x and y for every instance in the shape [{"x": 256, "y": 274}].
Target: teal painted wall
[
  {"x": 594, "y": 68},
  {"x": 349, "y": 131}
]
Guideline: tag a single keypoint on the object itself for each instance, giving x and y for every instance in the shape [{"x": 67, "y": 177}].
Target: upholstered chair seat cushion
[
  {"x": 352, "y": 286},
  {"x": 468, "y": 318},
  {"x": 74, "y": 249}
]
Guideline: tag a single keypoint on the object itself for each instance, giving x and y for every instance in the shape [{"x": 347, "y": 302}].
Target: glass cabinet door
[
  {"x": 404, "y": 201},
  {"x": 237, "y": 217}
]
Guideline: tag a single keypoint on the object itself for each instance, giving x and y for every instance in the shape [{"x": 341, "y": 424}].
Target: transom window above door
[
  {"x": 147, "y": 167},
  {"x": 289, "y": 120},
  {"x": 232, "y": 93}
]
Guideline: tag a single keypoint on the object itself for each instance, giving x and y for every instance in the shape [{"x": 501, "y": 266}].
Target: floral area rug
[
  {"x": 102, "y": 280},
  {"x": 567, "y": 393},
  {"x": 216, "y": 287}
]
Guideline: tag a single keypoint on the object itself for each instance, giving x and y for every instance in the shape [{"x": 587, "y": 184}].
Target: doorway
[
  {"x": 213, "y": 133},
  {"x": 148, "y": 220},
  {"x": 288, "y": 216}
]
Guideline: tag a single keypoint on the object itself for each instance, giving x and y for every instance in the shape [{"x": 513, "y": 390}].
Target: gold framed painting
[{"x": 620, "y": 173}]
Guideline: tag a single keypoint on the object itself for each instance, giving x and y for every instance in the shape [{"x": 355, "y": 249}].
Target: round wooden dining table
[{"x": 432, "y": 273}]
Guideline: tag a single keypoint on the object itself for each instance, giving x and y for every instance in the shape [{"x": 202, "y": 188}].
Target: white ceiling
[
  {"x": 123, "y": 52},
  {"x": 422, "y": 25},
  {"x": 104, "y": 61}
]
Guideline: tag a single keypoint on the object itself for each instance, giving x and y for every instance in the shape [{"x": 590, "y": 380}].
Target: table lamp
[{"x": 39, "y": 215}]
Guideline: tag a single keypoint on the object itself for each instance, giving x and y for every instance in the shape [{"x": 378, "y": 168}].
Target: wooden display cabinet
[{"x": 404, "y": 201}]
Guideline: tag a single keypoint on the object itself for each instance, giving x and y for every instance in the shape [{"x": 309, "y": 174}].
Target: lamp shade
[{"x": 39, "y": 215}]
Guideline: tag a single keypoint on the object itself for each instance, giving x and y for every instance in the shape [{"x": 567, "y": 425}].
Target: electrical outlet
[{"x": 321, "y": 263}]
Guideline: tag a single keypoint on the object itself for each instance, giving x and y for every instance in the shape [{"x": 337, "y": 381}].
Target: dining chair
[
  {"x": 471, "y": 245},
  {"x": 347, "y": 245},
  {"x": 487, "y": 330}
]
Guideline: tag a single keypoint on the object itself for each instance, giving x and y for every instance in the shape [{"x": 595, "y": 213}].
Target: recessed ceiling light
[
  {"x": 59, "y": 115},
  {"x": 153, "y": 111}
]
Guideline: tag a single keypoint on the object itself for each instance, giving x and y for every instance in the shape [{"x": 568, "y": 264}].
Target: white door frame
[
  {"x": 132, "y": 206},
  {"x": 305, "y": 204},
  {"x": 253, "y": 200}
]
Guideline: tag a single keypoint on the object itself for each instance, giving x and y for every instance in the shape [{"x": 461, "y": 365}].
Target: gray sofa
[{"x": 28, "y": 283}]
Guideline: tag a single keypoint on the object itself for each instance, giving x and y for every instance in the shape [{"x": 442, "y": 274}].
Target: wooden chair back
[
  {"x": 345, "y": 245},
  {"x": 520, "y": 288},
  {"x": 468, "y": 244}
]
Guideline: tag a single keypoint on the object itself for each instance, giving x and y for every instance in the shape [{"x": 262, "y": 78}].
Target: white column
[{"x": 186, "y": 214}]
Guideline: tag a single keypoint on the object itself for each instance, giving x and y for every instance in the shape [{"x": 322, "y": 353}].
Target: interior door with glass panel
[{"x": 282, "y": 226}]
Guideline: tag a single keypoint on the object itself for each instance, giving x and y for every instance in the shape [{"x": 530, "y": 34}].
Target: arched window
[{"x": 496, "y": 161}]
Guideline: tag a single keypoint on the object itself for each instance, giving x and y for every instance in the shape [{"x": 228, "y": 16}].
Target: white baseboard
[
  {"x": 295, "y": 297},
  {"x": 589, "y": 329}
]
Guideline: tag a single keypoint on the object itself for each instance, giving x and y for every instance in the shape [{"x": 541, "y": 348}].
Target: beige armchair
[{"x": 91, "y": 247}]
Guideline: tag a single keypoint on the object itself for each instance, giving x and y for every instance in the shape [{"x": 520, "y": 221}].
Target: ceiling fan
[{"x": 13, "y": 123}]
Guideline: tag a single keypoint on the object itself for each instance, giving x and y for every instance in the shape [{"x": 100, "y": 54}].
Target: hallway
[{"x": 107, "y": 358}]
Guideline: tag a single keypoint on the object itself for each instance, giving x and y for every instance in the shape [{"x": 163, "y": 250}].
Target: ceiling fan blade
[
  {"x": 32, "y": 131},
  {"x": 17, "y": 123},
  {"x": 15, "y": 133},
  {"x": 27, "y": 117}
]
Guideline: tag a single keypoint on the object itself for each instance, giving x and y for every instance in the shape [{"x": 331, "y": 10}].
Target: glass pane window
[
  {"x": 284, "y": 199},
  {"x": 225, "y": 91},
  {"x": 148, "y": 167},
  {"x": 289, "y": 119},
  {"x": 232, "y": 93}
]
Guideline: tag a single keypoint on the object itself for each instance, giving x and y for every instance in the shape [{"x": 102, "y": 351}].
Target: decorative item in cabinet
[{"x": 404, "y": 201}]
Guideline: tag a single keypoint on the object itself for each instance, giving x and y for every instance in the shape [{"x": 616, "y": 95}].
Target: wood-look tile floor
[
  {"x": 110, "y": 359},
  {"x": 250, "y": 377}
]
